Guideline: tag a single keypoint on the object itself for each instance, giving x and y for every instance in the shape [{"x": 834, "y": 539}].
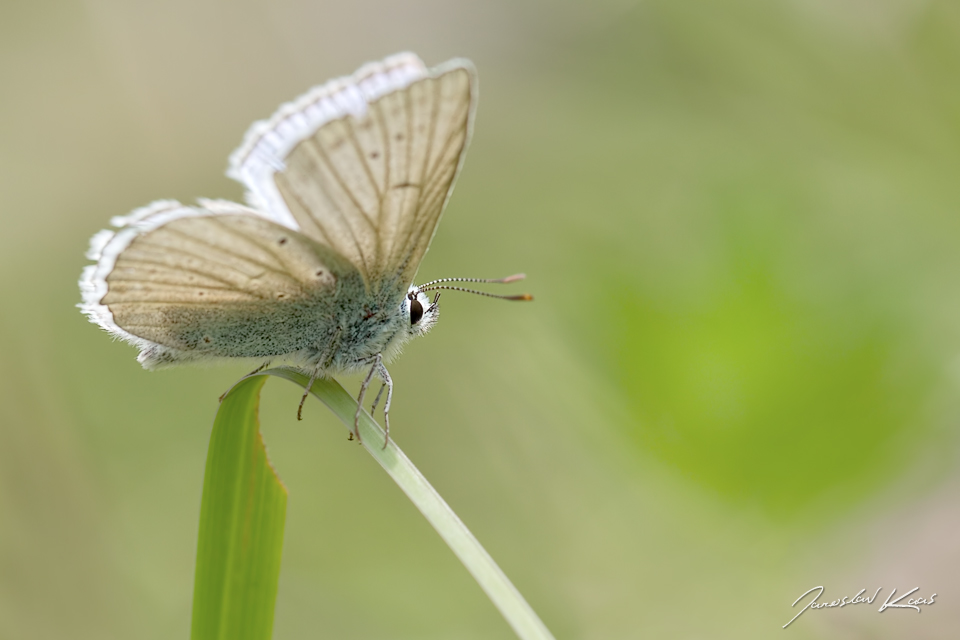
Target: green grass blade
[
  {"x": 241, "y": 526},
  {"x": 478, "y": 562}
]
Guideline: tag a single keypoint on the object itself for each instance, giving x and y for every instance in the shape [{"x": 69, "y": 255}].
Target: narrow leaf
[{"x": 241, "y": 526}]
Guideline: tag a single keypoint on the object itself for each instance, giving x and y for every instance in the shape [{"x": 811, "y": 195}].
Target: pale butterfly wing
[
  {"x": 210, "y": 282},
  {"x": 348, "y": 184},
  {"x": 366, "y": 164}
]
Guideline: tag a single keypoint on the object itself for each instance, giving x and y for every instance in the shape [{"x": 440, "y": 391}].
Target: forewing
[
  {"x": 366, "y": 164},
  {"x": 220, "y": 281}
]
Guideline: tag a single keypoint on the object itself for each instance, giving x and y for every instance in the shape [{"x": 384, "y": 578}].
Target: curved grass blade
[
  {"x": 241, "y": 526},
  {"x": 478, "y": 562}
]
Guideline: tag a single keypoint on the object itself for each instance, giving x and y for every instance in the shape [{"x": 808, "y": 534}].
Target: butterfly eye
[{"x": 416, "y": 311}]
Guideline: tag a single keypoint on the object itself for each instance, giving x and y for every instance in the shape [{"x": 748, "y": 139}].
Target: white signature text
[{"x": 890, "y": 603}]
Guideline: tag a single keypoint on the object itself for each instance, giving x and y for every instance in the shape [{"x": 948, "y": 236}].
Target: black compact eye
[{"x": 416, "y": 311}]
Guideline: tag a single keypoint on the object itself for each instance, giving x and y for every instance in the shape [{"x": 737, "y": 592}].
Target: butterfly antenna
[
  {"x": 514, "y": 278},
  {"x": 522, "y": 296},
  {"x": 436, "y": 285}
]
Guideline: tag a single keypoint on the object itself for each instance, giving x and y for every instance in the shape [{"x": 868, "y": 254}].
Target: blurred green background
[{"x": 738, "y": 380}]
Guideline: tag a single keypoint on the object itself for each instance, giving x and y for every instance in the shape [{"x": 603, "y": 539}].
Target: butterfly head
[{"x": 419, "y": 311}]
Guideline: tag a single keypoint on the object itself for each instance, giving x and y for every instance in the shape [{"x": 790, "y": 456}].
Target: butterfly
[{"x": 345, "y": 188}]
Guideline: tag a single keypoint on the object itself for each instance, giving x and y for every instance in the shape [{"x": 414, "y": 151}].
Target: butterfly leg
[
  {"x": 266, "y": 363},
  {"x": 306, "y": 391},
  {"x": 255, "y": 371},
  {"x": 388, "y": 383},
  {"x": 377, "y": 364},
  {"x": 376, "y": 401}
]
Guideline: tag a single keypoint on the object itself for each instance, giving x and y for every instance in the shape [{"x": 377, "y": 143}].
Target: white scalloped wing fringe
[
  {"x": 268, "y": 142},
  {"x": 107, "y": 245}
]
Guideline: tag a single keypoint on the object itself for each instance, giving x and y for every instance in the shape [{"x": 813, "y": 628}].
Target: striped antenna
[
  {"x": 434, "y": 285},
  {"x": 514, "y": 278}
]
